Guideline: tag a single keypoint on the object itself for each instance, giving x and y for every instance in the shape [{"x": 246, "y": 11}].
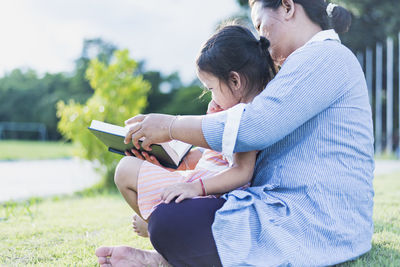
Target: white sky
[{"x": 47, "y": 35}]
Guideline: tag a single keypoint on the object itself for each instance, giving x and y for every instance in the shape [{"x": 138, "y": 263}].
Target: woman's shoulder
[
  {"x": 329, "y": 55},
  {"x": 325, "y": 52}
]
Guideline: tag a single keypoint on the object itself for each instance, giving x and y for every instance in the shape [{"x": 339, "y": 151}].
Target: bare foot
[
  {"x": 140, "y": 226},
  {"x": 124, "y": 256}
]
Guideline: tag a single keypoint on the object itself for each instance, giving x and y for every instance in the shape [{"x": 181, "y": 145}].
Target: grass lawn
[
  {"x": 33, "y": 150},
  {"x": 65, "y": 231},
  {"x": 386, "y": 239}
]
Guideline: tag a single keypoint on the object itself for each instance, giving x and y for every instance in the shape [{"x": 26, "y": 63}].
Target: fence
[
  {"x": 40, "y": 128},
  {"x": 381, "y": 66}
]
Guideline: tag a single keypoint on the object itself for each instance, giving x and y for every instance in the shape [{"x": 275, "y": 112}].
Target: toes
[
  {"x": 104, "y": 251},
  {"x": 102, "y": 260}
]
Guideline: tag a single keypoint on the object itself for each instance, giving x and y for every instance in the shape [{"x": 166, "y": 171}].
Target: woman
[{"x": 310, "y": 203}]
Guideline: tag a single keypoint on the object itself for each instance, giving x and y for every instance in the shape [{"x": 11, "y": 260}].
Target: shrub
[{"x": 118, "y": 95}]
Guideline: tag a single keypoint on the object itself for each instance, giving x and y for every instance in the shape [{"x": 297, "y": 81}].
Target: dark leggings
[{"x": 181, "y": 232}]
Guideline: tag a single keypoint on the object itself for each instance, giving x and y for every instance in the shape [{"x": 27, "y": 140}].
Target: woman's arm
[
  {"x": 234, "y": 177},
  {"x": 157, "y": 128}
]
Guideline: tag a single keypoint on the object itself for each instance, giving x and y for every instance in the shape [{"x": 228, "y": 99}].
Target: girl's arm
[{"x": 234, "y": 177}]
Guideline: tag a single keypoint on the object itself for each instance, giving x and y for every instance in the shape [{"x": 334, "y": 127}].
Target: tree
[
  {"x": 27, "y": 97},
  {"x": 118, "y": 95},
  {"x": 189, "y": 100},
  {"x": 372, "y": 21},
  {"x": 92, "y": 48}
]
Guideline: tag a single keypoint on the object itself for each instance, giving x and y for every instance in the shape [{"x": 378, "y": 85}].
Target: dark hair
[
  {"x": 316, "y": 11},
  {"x": 235, "y": 48}
]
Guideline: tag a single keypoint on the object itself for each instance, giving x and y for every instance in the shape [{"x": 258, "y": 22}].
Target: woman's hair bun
[
  {"x": 264, "y": 43},
  {"x": 341, "y": 19}
]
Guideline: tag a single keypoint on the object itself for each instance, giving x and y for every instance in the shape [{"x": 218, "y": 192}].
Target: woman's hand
[
  {"x": 182, "y": 191},
  {"x": 152, "y": 128}
]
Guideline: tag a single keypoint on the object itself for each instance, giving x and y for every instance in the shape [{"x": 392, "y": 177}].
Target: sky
[{"x": 47, "y": 35}]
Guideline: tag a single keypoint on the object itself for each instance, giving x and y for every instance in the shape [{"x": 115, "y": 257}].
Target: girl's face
[
  {"x": 221, "y": 93},
  {"x": 272, "y": 25}
]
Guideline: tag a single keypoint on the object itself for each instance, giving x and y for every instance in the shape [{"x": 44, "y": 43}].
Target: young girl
[{"x": 235, "y": 67}]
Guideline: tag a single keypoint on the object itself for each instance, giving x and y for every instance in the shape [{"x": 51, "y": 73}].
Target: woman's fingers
[
  {"x": 151, "y": 128},
  {"x": 137, "y": 118},
  {"x": 135, "y": 139},
  {"x": 132, "y": 130},
  {"x": 146, "y": 144}
]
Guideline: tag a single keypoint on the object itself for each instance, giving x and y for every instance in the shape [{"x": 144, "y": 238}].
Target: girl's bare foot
[
  {"x": 140, "y": 226},
  {"x": 126, "y": 256}
]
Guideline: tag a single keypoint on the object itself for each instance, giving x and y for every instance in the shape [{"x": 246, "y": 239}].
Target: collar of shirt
[
  {"x": 324, "y": 35},
  {"x": 320, "y": 37}
]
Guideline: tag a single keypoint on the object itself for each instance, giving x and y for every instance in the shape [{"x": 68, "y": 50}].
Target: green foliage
[
  {"x": 187, "y": 101},
  {"x": 160, "y": 97},
  {"x": 27, "y": 97},
  {"x": 168, "y": 95},
  {"x": 118, "y": 95},
  {"x": 372, "y": 22}
]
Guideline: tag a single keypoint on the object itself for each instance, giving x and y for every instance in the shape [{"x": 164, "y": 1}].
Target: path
[
  {"x": 24, "y": 179},
  {"x": 387, "y": 166}
]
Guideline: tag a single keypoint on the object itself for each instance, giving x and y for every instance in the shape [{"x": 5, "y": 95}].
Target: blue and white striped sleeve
[{"x": 310, "y": 81}]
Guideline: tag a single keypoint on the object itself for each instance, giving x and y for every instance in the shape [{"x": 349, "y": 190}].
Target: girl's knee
[{"x": 127, "y": 171}]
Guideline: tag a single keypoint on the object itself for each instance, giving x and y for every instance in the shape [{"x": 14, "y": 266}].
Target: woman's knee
[
  {"x": 127, "y": 171},
  {"x": 174, "y": 226}
]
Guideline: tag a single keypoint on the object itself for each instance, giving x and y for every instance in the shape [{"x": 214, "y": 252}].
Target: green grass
[
  {"x": 386, "y": 239},
  {"x": 34, "y": 150},
  {"x": 65, "y": 231},
  {"x": 386, "y": 156}
]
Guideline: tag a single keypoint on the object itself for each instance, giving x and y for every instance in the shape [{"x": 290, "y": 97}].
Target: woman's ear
[
  {"x": 234, "y": 81},
  {"x": 289, "y": 8}
]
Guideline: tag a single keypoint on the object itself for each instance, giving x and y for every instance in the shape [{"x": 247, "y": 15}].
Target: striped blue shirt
[{"x": 311, "y": 198}]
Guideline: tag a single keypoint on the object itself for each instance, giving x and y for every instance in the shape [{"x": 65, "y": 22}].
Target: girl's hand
[
  {"x": 143, "y": 156},
  {"x": 150, "y": 158},
  {"x": 213, "y": 107},
  {"x": 182, "y": 191}
]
